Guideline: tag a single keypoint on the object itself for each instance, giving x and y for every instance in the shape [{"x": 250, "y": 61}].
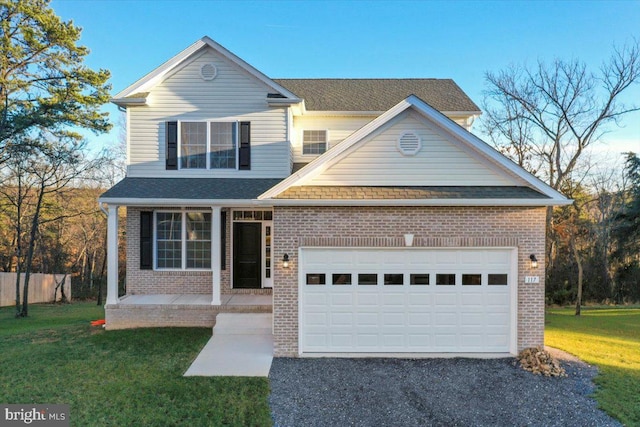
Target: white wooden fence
[{"x": 41, "y": 288}]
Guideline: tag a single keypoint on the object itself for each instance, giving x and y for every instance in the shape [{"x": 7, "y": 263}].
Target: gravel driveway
[{"x": 429, "y": 392}]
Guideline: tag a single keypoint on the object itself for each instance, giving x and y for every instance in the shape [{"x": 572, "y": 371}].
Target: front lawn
[
  {"x": 610, "y": 339},
  {"x": 119, "y": 378}
]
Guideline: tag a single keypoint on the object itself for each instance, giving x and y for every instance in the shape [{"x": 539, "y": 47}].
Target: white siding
[
  {"x": 377, "y": 161},
  {"x": 338, "y": 129},
  {"x": 233, "y": 95}
]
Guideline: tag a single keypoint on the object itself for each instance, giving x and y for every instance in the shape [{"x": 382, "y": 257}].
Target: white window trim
[
  {"x": 183, "y": 242},
  {"x": 208, "y": 148},
  {"x": 326, "y": 141}
]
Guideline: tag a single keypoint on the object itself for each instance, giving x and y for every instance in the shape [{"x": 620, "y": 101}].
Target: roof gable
[
  {"x": 473, "y": 148},
  {"x": 131, "y": 95},
  {"x": 377, "y": 160}
]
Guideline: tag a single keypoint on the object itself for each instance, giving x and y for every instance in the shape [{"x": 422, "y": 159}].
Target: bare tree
[
  {"x": 546, "y": 117},
  {"x": 552, "y": 113}
]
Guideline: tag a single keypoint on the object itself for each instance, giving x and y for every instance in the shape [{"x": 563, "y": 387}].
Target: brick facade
[{"x": 521, "y": 227}]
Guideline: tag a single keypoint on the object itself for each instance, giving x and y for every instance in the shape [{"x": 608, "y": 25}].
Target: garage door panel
[
  {"x": 341, "y": 319},
  {"x": 392, "y": 300},
  {"x": 447, "y": 258},
  {"x": 448, "y": 299},
  {"x": 418, "y": 319},
  {"x": 341, "y": 299},
  {"x": 419, "y": 300},
  {"x": 446, "y": 319},
  {"x": 390, "y": 319},
  {"x": 368, "y": 340},
  {"x": 315, "y": 319},
  {"x": 311, "y": 299},
  {"x": 423, "y": 317},
  {"x": 367, "y": 319}
]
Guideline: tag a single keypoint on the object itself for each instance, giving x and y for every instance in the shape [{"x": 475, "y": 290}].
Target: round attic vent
[
  {"x": 409, "y": 143},
  {"x": 208, "y": 71}
]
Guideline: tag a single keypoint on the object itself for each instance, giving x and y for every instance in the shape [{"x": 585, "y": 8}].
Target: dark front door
[{"x": 247, "y": 255}]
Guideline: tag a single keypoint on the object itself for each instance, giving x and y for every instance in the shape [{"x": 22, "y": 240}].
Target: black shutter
[
  {"x": 171, "y": 136},
  {"x": 245, "y": 146},
  {"x": 146, "y": 235},
  {"x": 223, "y": 240}
]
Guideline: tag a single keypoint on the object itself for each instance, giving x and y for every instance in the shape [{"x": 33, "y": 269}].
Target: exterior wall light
[
  {"x": 285, "y": 261},
  {"x": 534, "y": 261}
]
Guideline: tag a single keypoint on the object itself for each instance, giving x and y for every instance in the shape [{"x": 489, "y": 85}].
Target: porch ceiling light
[
  {"x": 285, "y": 261},
  {"x": 534, "y": 261}
]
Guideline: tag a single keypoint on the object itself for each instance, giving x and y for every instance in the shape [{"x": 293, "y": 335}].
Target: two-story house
[{"x": 361, "y": 212}]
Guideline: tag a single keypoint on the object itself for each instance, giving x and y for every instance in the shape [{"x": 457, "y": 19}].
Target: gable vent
[
  {"x": 208, "y": 71},
  {"x": 409, "y": 143}
]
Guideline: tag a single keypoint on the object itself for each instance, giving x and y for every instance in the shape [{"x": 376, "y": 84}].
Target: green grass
[
  {"x": 119, "y": 378},
  {"x": 610, "y": 339}
]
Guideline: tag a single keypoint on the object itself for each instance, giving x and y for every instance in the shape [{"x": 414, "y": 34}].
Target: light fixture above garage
[
  {"x": 285, "y": 261},
  {"x": 534, "y": 261}
]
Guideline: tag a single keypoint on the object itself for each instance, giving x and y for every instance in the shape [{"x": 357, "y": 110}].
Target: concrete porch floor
[{"x": 196, "y": 299}]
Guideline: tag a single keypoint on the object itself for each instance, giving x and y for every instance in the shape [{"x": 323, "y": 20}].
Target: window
[
  {"x": 367, "y": 279},
  {"x": 169, "y": 240},
  {"x": 183, "y": 240},
  {"x": 341, "y": 279},
  {"x": 212, "y": 145},
  {"x": 316, "y": 279},
  {"x": 223, "y": 145},
  {"x": 419, "y": 279},
  {"x": 393, "y": 279},
  {"x": 193, "y": 145},
  {"x": 471, "y": 279},
  {"x": 445, "y": 279},
  {"x": 314, "y": 141},
  {"x": 497, "y": 279},
  {"x": 198, "y": 240}
]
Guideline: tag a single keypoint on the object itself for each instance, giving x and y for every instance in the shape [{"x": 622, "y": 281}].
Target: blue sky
[{"x": 461, "y": 40}]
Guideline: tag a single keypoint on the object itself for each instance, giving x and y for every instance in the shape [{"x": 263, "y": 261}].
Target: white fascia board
[
  {"x": 421, "y": 202},
  {"x": 128, "y": 101},
  {"x": 281, "y": 102},
  {"x": 182, "y": 202},
  {"x": 325, "y": 159},
  {"x": 152, "y": 78}
]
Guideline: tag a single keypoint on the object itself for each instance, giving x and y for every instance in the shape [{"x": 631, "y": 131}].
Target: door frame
[{"x": 265, "y": 283}]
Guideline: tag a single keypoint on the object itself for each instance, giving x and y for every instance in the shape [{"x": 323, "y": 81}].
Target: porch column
[
  {"x": 216, "y": 240},
  {"x": 112, "y": 254}
]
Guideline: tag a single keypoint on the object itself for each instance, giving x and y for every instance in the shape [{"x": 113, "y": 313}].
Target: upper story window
[
  {"x": 314, "y": 141},
  {"x": 208, "y": 145}
]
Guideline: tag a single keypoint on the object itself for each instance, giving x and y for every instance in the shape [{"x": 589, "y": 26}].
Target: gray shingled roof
[
  {"x": 190, "y": 188},
  {"x": 408, "y": 193},
  {"x": 377, "y": 94}
]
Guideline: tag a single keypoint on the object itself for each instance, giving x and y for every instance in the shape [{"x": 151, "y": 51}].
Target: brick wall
[
  {"x": 521, "y": 227},
  {"x": 174, "y": 282}
]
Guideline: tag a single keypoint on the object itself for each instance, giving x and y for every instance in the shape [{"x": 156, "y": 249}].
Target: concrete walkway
[{"x": 241, "y": 346}]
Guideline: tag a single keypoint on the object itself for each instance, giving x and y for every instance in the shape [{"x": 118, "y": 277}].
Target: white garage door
[{"x": 407, "y": 300}]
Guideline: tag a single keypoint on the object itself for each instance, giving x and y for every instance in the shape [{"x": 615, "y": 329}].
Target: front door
[{"x": 247, "y": 255}]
